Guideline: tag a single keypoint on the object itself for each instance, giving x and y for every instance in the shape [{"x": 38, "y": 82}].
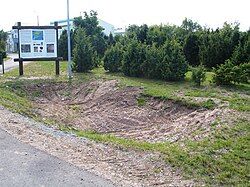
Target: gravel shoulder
[
  {"x": 122, "y": 167},
  {"x": 24, "y": 165}
]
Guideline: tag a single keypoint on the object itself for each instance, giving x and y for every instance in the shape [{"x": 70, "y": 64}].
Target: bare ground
[
  {"x": 122, "y": 167},
  {"x": 103, "y": 107}
]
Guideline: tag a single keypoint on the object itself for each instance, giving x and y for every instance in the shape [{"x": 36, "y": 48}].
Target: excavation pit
[{"x": 104, "y": 107}]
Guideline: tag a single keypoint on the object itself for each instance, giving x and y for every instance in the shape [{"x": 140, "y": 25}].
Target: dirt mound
[{"x": 104, "y": 107}]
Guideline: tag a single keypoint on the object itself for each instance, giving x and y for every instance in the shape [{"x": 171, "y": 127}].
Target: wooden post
[
  {"x": 57, "y": 60},
  {"x": 3, "y": 66},
  {"x": 20, "y": 66},
  {"x": 57, "y": 67},
  {"x": 2, "y": 61}
]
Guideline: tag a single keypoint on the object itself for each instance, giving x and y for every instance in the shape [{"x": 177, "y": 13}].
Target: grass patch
[
  {"x": 208, "y": 80},
  {"x": 39, "y": 69},
  {"x": 15, "y": 102},
  {"x": 222, "y": 159},
  {"x": 209, "y": 104},
  {"x": 141, "y": 101}
]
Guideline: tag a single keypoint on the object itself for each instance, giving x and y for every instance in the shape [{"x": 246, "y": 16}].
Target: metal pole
[
  {"x": 19, "y": 50},
  {"x": 2, "y": 61},
  {"x": 69, "y": 44},
  {"x": 37, "y": 19}
]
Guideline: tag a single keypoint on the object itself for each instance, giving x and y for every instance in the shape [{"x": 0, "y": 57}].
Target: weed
[
  {"x": 209, "y": 104},
  {"x": 141, "y": 101}
]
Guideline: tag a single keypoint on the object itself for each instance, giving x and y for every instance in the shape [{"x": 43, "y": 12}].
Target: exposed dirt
[
  {"x": 104, "y": 107},
  {"x": 126, "y": 168}
]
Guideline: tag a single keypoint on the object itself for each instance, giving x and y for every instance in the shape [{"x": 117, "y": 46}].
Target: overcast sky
[{"x": 120, "y": 13}]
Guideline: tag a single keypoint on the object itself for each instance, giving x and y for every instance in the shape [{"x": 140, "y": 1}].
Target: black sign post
[
  {"x": 2, "y": 61},
  {"x": 21, "y": 60}
]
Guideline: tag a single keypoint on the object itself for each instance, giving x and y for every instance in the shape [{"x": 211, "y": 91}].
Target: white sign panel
[{"x": 38, "y": 43}]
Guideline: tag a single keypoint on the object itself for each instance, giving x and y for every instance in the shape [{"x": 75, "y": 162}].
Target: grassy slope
[{"x": 221, "y": 159}]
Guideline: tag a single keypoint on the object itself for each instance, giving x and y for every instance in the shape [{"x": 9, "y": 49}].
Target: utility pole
[
  {"x": 69, "y": 43},
  {"x": 37, "y": 19}
]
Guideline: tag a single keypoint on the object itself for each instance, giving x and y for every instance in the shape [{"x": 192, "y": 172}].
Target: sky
[{"x": 121, "y": 13}]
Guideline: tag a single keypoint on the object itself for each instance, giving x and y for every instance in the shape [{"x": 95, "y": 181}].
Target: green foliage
[
  {"x": 217, "y": 46},
  {"x": 63, "y": 44},
  {"x": 99, "y": 44},
  {"x": 153, "y": 65},
  {"x": 223, "y": 73},
  {"x": 162, "y": 51},
  {"x": 4, "y": 54},
  {"x": 165, "y": 62},
  {"x": 198, "y": 75},
  {"x": 134, "y": 57},
  {"x": 113, "y": 58},
  {"x": 191, "y": 49},
  {"x": 241, "y": 53},
  {"x": 138, "y": 32},
  {"x": 89, "y": 23},
  {"x": 3, "y": 38},
  {"x": 111, "y": 40},
  {"x": 92, "y": 29},
  {"x": 141, "y": 101},
  {"x": 209, "y": 104},
  {"x": 241, "y": 73},
  {"x": 175, "y": 60},
  {"x": 158, "y": 35},
  {"x": 84, "y": 54},
  {"x": 229, "y": 73},
  {"x": 190, "y": 26}
]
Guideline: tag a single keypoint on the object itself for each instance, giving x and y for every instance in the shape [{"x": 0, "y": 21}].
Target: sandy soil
[
  {"x": 128, "y": 168},
  {"x": 103, "y": 107}
]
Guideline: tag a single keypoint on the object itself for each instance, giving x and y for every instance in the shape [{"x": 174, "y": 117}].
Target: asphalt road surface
[{"x": 23, "y": 165}]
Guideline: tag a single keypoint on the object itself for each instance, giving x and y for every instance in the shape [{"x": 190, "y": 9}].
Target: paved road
[{"x": 23, "y": 165}]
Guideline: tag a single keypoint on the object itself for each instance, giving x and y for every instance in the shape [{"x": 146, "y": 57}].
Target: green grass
[
  {"x": 40, "y": 69},
  {"x": 141, "y": 101},
  {"x": 178, "y": 91},
  {"x": 14, "y": 102},
  {"x": 208, "y": 80},
  {"x": 222, "y": 159}
]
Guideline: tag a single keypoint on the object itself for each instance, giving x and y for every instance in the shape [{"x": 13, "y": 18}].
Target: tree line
[
  {"x": 161, "y": 51},
  {"x": 3, "y": 39}
]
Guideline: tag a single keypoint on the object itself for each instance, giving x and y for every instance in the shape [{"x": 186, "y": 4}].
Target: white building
[
  {"x": 108, "y": 28},
  {"x": 119, "y": 31},
  {"x": 12, "y": 41}
]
